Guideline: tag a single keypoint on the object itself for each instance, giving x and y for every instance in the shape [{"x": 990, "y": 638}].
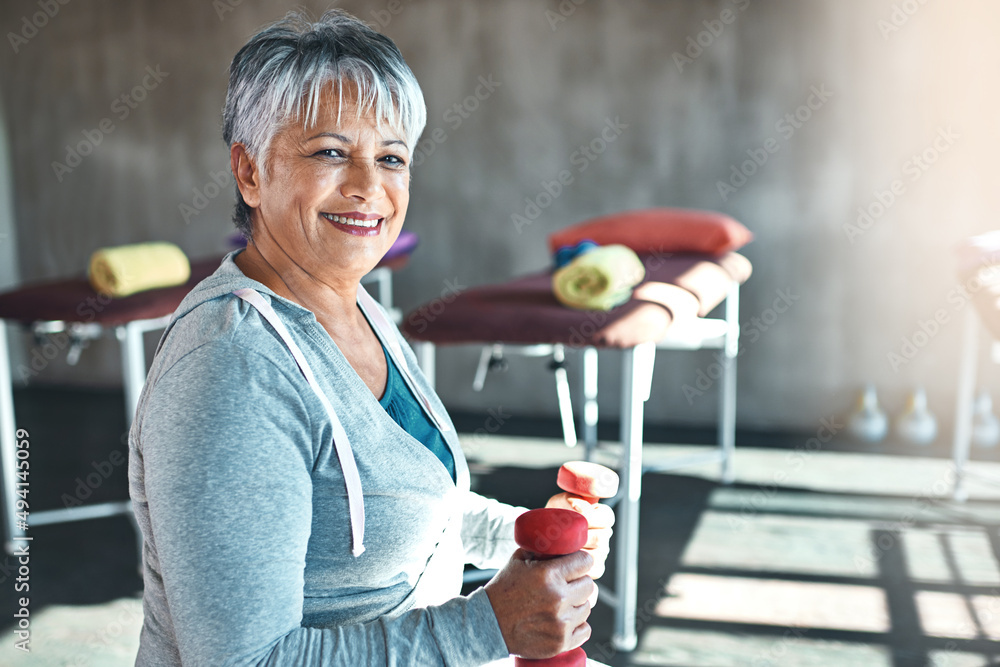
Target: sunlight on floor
[
  {"x": 788, "y": 544},
  {"x": 959, "y": 616},
  {"x": 951, "y": 555},
  {"x": 783, "y": 604},
  {"x": 958, "y": 659},
  {"x": 670, "y": 647}
]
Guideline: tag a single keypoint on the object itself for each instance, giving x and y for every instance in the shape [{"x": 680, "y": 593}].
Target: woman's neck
[{"x": 333, "y": 303}]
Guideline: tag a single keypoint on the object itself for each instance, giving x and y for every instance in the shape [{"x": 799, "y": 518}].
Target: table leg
[
  {"x": 8, "y": 447},
  {"x": 727, "y": 407},
  {"x": 563, "y": 395},
  {"x": 590, "y": 411},
  {"x": 637, "y": 364},
  {"x": 964, "y": 402},
  {"x": 133, "y": 366},
  {"x": 134, "y": 376}
]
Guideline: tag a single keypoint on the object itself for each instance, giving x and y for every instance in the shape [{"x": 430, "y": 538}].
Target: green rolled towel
[
  {"x": 599, "y": 279},
  {"x": 127, "y": 269}
]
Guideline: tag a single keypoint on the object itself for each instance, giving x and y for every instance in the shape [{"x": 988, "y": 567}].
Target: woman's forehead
[
  {"x": 345, "y": 123},
  {"x": 340, "y": 111}
]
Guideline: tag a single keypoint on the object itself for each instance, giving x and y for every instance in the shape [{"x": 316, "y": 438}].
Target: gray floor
[{"x": 811, "y": 558}]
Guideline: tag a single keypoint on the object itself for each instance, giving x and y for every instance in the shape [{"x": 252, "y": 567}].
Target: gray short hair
[{"x": 280, "y": 73}]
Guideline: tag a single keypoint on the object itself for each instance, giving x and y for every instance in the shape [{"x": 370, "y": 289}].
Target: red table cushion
[
  {"x": 660, "y": 230},
  {"x": 525, "y": 311}
]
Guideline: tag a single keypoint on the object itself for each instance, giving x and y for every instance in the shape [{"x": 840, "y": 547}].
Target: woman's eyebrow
[
  {"x": 339, "y": 137},
  {"x": 342, "y": 138}
]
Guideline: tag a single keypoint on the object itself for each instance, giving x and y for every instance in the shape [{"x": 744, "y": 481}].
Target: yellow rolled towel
[
  {"x": 127, "y": 269},
  {"x": 599, "y": 279}
]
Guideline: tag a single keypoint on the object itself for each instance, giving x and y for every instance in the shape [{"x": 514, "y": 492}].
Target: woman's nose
[{"x": 363, "y": 180}]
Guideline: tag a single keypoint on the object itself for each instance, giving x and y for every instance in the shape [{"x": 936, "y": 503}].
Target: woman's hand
[
  {"x": 542, "y": 605},
  {"x": 600, "y": 518}
]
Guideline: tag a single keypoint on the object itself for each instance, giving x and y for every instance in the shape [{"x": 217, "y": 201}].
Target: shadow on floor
[{"x": 886, "y": 582}]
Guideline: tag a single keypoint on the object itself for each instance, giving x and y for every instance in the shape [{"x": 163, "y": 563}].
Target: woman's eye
[
  {"x": 394, "y": 161},
  {"x": 330, "y": 152}
]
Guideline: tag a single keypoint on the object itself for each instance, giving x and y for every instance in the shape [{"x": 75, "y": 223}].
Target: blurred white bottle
[
  {"x": 917, "y": 425},
  {"x": 868, "y": 422},
  {"x": 985, "y": 425}
]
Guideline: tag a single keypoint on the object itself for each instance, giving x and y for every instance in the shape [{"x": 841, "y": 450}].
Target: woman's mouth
[{"x": 355, "y": 225}]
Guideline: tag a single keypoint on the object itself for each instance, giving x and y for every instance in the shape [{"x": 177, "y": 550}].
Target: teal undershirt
[{"x": 399, "y": 402}]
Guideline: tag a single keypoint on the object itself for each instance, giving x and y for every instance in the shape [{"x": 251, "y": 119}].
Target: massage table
[
  {"x": 72, "y": 307},
  {"x": 668, "y": 311}
]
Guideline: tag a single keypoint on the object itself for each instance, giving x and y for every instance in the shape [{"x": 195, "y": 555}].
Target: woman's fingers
[
  {"x": 597, "y": 515},
  {"x": 598, "y": 537},
  {"x": 566, "y": 501},
  {"x": 600, "y": 519},
  {"x": 542, "y": 605},
  {"x": 600, "y": 516},
  {"x": 574, "y": 568}
]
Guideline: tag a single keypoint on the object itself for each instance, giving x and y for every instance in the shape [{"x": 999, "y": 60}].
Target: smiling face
[{"x": 334, "y": 195}]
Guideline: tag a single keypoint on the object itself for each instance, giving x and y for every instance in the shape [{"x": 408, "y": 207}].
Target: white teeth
[{"x": 351, "y": 221}]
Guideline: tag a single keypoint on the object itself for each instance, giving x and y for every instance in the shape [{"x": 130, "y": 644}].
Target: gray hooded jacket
[{"x": 242, "y": 504}]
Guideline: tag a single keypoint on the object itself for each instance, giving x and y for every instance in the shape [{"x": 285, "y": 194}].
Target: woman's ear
[{"x": 246, "y": 174}]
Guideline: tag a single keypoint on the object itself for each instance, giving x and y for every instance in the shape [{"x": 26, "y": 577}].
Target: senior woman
[{"x": 299, "y": 486}]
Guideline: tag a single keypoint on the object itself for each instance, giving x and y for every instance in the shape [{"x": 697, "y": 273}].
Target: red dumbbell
[
  {"x": 588, "y": 481},
  {"x": 584, "y": 484},
  {"x": 552, "y": 532},
  {"x": 548, "y": 533}
]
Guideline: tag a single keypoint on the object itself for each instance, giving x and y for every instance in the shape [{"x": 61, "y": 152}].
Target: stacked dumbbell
[{"x": 552, "y": 532}]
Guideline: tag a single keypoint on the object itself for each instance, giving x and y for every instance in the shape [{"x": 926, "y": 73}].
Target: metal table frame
[
  {"x": 637, "y": 377},
  {"x": 133, "y": 358}
]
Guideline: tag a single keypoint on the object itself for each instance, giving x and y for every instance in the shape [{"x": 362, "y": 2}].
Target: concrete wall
[{"x": 895, "y": 77}]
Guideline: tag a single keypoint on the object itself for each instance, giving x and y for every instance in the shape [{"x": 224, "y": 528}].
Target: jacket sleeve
[
  {"x": 488, "y": 531},
  {"x": 225, "y": 441}
]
